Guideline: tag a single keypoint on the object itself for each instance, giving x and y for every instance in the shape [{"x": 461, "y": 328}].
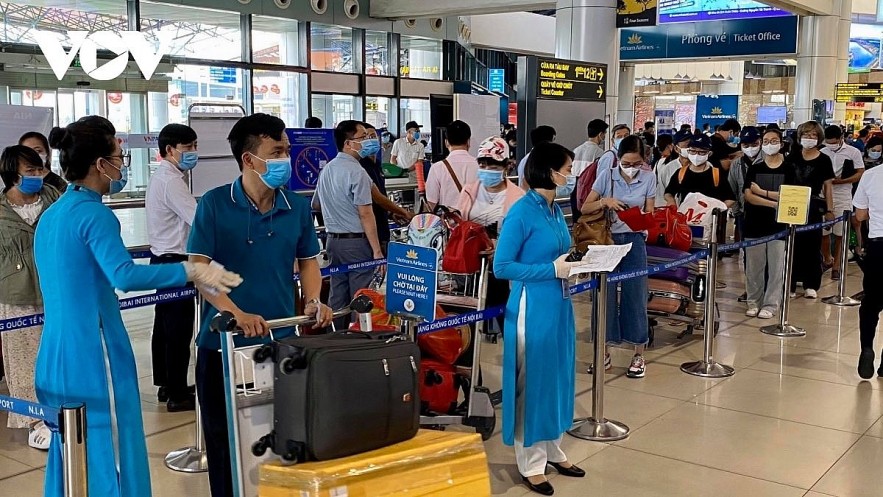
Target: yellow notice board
[{"x": 793, "y": 204}]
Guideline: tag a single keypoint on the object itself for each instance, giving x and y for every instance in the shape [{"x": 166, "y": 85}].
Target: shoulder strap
[
  {"x": 682, "y": 173},
  {"x": 716, "y": 174},
  {"x": 453, "y": 176}
]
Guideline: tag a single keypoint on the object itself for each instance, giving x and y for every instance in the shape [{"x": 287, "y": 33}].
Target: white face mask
[
  {"x": 629, "y": 171},
  {"x": 834, "y": 147},
  {"x": 809, "y": 143},
  {"x": 697, "y": 160},
  {"x": 874, "y": 155},
  {"x": 751, "y": 151},
  {"x": 772, "y": 149}
]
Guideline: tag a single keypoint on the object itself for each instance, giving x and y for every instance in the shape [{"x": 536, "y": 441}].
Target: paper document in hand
[{"x": 601, "y": 258}]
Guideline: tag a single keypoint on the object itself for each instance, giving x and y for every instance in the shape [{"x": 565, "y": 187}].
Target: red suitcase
[
  {"x": 668, "y": 297},
  {"x": 438, "y": 387}
]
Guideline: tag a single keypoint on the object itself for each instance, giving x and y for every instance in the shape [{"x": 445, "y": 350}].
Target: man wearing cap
[
  {"x": 676, "y": 161},
  {"x": 699, "y": 176},
  {"x": 447, "y": 178},
  {"x": 749, "y": 141},
  {"x": 407, "y": 150}
]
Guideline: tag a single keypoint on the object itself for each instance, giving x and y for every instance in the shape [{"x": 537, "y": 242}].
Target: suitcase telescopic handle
[{"x": 224, "y": 322}]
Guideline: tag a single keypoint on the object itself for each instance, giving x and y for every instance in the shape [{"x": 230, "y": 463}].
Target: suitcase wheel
[
  {"x": 291, "y": 363},
  {"x": 483, "y": 426},
  {"x": 260, "y": 447},
  {"x": 263, "y": 353},
  {"x": 294, "y": 452}
]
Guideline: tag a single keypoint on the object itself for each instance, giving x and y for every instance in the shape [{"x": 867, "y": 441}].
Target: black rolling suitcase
[{"x": 341, "y": 394}]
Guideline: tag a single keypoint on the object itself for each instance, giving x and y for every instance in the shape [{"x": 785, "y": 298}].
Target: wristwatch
[{"x": 313, "y": 301}]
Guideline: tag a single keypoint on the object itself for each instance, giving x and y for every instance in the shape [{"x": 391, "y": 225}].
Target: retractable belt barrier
[{"x": 47, "y": 414}]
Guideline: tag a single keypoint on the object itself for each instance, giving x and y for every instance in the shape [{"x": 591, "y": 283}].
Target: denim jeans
[{"x": 627, "y": 315}]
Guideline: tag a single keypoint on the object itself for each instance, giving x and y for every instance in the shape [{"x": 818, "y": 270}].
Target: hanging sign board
[
  {"x": 859, "y": 92},
  {"x": 571, "y": 80},
  {"x": 793, "y": 205},
  {"x": 634, "y": 13},
  {"x": 412, "y": 272}
]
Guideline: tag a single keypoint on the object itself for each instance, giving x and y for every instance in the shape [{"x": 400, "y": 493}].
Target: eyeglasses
[
  {"x": 771, "y": 142},
  {"x": 125, "y": 158},
  {"x": 694, "y": 151},
  {"x": 632, "y": 164}
]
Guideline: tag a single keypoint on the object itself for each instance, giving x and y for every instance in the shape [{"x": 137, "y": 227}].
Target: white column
[
  {"x": 585, "y": 30},
  {"x": 625, "y": 108},
  {"x": 820, "y": 63}
]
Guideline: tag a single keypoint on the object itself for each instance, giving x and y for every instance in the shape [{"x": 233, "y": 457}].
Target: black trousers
[
  {"x": 872, "y": 285},
  {"x": 213, "y": 404},
  {"x": 172, "y": 336},
  {"x": 807, "y": 260}
]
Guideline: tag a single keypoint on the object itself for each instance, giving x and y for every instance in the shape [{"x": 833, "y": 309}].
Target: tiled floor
[{"x": 795, "y": 420}]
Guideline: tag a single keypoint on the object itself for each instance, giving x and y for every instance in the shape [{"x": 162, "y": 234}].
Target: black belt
[
  {"x": 347, "y": 235},
  {"x": 169, "y": 258},
  {"x": 875, "y": 240}
]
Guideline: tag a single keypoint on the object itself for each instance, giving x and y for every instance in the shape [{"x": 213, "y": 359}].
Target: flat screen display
[
  {"x": 717, "y": 10},
  {"x": 771, "y": 114}
]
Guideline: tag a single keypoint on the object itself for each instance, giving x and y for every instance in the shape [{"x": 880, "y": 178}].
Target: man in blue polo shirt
[{"x": 257, "y": 229}]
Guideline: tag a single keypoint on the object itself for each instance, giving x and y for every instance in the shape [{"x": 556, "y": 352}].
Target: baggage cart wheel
[
  {"x": 263, "y": 353},
  {"x": 484, "y": 426},
  {"x": 260, "y": 447}
]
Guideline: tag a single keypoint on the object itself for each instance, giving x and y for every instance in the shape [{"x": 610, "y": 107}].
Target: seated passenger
[{"x": 699, "y": 176}]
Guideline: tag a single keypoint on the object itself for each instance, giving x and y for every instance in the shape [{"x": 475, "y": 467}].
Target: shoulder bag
[{"x": 593, "y": 229}]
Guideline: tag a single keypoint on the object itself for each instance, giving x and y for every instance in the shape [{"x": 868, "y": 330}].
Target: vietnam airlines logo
[
  {"x": 716, "y": 111},
  {"x": 411, "y": 254},
  {"x": 635, "y": 39}
]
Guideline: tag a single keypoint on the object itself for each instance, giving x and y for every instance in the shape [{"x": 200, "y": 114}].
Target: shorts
[{"x": 837, "y": 229}]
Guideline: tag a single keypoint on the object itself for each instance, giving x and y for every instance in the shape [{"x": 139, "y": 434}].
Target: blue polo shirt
[{"x": 262, "y": 248}]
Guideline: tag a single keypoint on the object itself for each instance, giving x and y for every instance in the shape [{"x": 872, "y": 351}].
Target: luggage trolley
[
  {"x": 466, "y": 292},
  {"x": 248, "y": 384}
]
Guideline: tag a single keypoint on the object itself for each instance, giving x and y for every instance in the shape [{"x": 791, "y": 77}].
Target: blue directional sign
[
  {"x": 412, "y": 272},
  {"x": 497, "y": 80},
  {"x": 222, "y": 74}
]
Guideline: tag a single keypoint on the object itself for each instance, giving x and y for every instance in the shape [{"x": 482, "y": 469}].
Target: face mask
[
  {"x": 43, "y": 158},
  {"x": 566, "y": 189},
  {"x": 771, "y": 149},
  {"x": 616, "y": 142},
  {"x": 809, "y": 143},
  {"x": 874, "y": 155},
  {"x": 30, "y": 185},
  {"x": 278, "y": 172},
  {"x": 416, "y": 136},
  {"x": 188, "y": 160},
  {"x": 370, "y": 147},
  {"x": 489, "y": 177},
  {"x": 734, "y": 140},
  {"x": 697, "y": 160},
  {"x": 118, "y": 185},
  {"x": 385, "y": 138},
  {"x": 752, "y": 151},
  {"x": 629, "y": 171},
  {"x": 834, "y": 147}
]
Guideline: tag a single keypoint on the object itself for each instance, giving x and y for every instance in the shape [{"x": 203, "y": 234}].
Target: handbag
[
  {"x": 464, "y": 248},
  {"x": 669, "y": 229},
  {"x": 593, "y": 229}
]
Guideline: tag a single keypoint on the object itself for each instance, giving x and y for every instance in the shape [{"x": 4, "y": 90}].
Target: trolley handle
[{"x": 224, "y": 322}]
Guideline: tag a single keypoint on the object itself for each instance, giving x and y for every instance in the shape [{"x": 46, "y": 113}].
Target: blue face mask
[
  {"x": 118, "y": 185},
  {"x": 188, "y": 160},
  {"x": 278, "y": 172},
  {"x": 566, "y": 189},
  {"x": 370, "y": 147},
  {"x": 734, "y": 140},
  {"x": 489, "y": 177},
  {"x": 30, "y": 185},
  {"x": 416, "y": 136}
]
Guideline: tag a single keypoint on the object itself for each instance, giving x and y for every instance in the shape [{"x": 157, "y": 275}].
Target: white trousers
[{"x": 531, "y": 460}]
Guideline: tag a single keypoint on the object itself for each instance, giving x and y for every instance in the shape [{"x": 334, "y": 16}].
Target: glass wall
[
  {"x": 377, "y": 53},
  {"x": 420, "y": 58},
  {"x": 332, "y": 109},
  {"x": 193, "y": 33},
  {"x": 282, "y": 94},
  {"x": 377, "y": 111},
  {"x": 414, "y": 109},
  {"x": 331, "y": 48},
  {"x": 275, "y": 41}
]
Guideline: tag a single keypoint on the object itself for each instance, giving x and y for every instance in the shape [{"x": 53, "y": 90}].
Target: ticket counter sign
[
  {"x": 571, "y": 80},
  {"x": 412, "y": 273},
  {"x": 793, "y": 205},
  {"x": 859, "y": 92}
]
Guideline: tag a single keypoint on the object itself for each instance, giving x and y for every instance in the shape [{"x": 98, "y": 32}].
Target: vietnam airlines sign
[{"x": 145, "y": 52}]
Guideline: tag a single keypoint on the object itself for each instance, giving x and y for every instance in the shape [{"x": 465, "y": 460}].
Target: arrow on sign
[
  {"x": 600, "y": 73},
  {"x": 600, "y": 91}
]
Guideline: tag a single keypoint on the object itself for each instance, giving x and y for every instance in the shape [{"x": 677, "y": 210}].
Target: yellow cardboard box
[{"x": 433, "y": 463}]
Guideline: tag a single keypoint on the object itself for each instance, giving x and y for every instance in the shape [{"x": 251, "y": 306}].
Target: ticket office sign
[
  {"x": 571, "y": 80},
  {"x": 412, "y": 273},
  {"x": 793, "y": 205}
]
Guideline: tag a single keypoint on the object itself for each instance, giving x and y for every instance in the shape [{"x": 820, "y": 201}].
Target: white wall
[{"x": 518, "y": 31}]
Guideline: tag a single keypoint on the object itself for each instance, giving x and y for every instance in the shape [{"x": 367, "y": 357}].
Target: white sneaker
[
  {"x": 765, "y": 314},
  {"x": 811, "y": 294},
  {"x": 793, "y": 295},
  {"x": 39, "y": 436},
  {"x": 752, "y": 312}
]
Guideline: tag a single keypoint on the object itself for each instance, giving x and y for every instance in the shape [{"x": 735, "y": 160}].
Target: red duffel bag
[
  {"x": 438, "y": 387},
  {"x": 669, "y": 229}
]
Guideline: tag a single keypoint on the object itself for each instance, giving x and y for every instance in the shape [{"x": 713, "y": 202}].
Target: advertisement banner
[
  {"x": 311, "y": 149},
  {"x": 752, "y": 37},
  {"x": 715, "y": 10},
  {"x": 665, "y": 122},
  {"x": 634, "y": 13},
  {"x": 715, "y": 109}
]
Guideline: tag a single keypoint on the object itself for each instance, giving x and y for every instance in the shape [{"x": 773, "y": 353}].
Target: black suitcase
[{"x": 341, "y": 394}]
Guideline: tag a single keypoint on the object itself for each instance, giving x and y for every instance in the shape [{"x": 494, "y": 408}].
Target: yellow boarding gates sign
[{"x": 793, "y": 205}]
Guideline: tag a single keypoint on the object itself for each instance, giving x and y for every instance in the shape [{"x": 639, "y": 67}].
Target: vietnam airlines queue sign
[
  {"x": 571, "y": 80},
  {"x": 859, "y": 92}
]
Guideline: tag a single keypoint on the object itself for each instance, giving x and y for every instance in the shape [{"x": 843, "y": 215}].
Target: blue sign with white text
[
  {"x": 715, "y": 109},
  {"x": 311, "y": 149},
  {"x": 412, "y": 272},
  {"x": 777, "y": 35},
  {"x": 497, "y": 80},
  {"x": 222, "y": 74}
]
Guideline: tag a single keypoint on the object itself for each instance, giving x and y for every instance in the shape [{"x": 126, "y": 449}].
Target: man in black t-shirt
[
  {"x": 699, "y": 176},
  {"x": 382, "y": 205}
]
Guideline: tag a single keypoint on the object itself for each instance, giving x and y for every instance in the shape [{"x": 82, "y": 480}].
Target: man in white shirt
[
  {"x": 170, "y": 211},
  {"x": 676, "y": 160},
  {"x": 448, "y": 177},
  {"x": 849, "y": 165},
  {"x": 868, "y": 204},
  {"x": 540, "y": 134},
  {"x": 407, "y": 150}
]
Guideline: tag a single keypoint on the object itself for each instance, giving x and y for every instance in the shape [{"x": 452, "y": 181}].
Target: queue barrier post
[
  {"x": 783, "y": 329},
  {"x": 597, "y": 428},
  {"x": 842, "y": 299},
  {"x": 72, "y": 422},
  {"x": 708, "y": 367},
  {"x": 191, "y": 459}
]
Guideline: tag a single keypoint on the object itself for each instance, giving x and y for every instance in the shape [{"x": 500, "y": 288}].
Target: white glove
[
  {"x": 562, "y": 267},
  {"x": 212, "y": 278}
]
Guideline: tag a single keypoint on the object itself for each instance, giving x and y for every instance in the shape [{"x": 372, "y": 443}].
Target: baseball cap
[
  {"x": 493, "y": 148},
  {"x": 412, "y": 125},
  {"x": 749, "y": 134},
  {"x": 701, "y": 142},
  {"x": 683, "y": 135}
]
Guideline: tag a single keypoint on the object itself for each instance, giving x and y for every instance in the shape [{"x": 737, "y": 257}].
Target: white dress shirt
[
  {"x": 843, "y": 192},
  {"x": 867, "y": 196},
  {"x": 407, "y": 153},
  {"x": 170, "y": 210}
]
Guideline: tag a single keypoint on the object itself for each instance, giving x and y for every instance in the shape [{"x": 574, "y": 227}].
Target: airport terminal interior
[{"x": 729, "y": 398}]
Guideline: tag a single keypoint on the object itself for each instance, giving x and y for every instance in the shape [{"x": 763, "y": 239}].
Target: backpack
[
  {"x": 715, "y": 173},
  {"x": 428, "y": 230},
  {"x": 465, "y": 246},
  {"x": 587, "y": 179}
]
